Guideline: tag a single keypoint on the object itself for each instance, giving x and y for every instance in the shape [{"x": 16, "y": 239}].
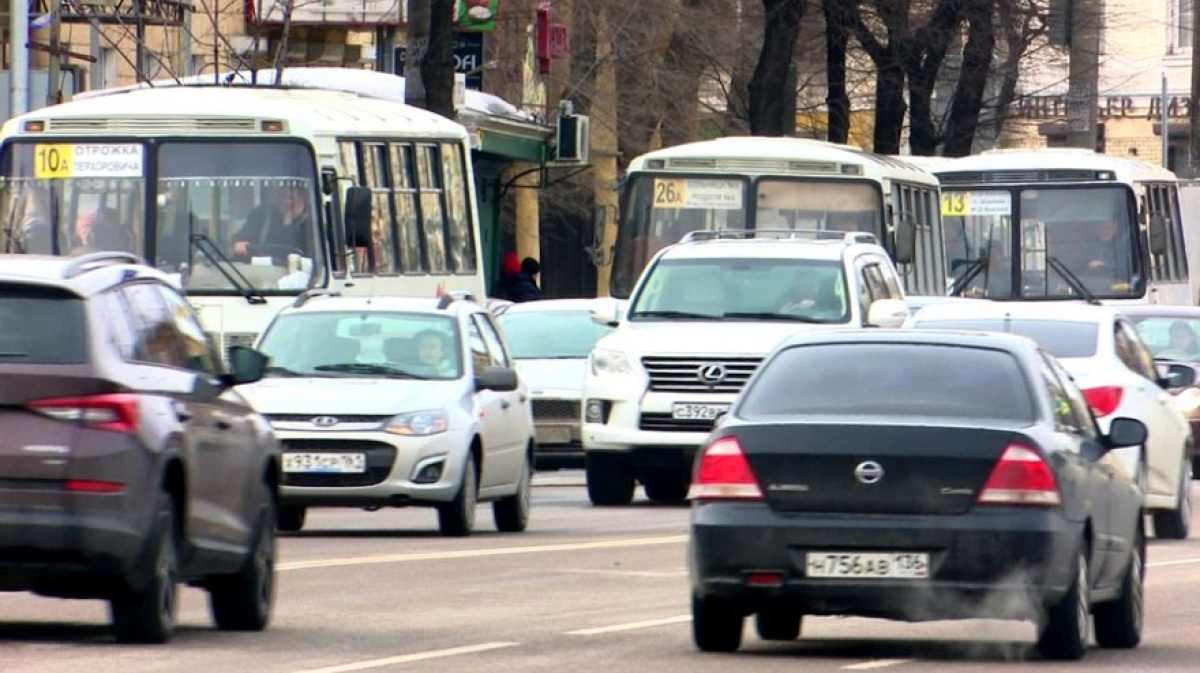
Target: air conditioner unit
[{"x": 571, "y": 139}]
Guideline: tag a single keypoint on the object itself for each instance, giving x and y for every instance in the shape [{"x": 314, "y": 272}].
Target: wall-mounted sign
[{"x": 468, "y": 58}]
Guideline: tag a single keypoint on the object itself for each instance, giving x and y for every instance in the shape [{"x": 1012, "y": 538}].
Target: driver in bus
[
  {"x": 1105, "y": 253},
  {"x": 276, "y": 228}
]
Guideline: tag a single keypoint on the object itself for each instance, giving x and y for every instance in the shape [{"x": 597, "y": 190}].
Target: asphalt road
[{"x": 585, "y": 589}]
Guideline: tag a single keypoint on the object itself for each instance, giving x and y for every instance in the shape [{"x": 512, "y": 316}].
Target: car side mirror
[
  {"x": 605, "y": 311},
  {"x": 887, "y": 313},
  {"x": 904, "y": 241},
  {"x": 500, "y": 379},
  {"x": 1158, "y": 235},
  {"x": 1176, "y": 376},
  {"x": 246, "y": 365},
  {"x": 1126, "y": 432},
  {"x": 357, "y": 216}
]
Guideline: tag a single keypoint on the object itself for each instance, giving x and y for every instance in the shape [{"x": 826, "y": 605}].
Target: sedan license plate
[
  {"x": 867, "y": 566},
  {"x": 335, "y": 463},
  {"x": 697, "y": 412}
]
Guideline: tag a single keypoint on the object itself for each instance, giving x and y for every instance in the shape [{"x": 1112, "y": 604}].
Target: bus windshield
[
  {"x": 253, "y": 202},
  {"x": 1041, "y": 242},
  {"x": 659, "y": 210}
]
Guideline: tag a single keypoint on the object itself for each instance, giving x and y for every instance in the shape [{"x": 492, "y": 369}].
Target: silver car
[{"x": 396, "y": 402}]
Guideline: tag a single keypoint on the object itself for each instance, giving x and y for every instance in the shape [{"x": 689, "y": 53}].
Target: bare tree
[
  {"x": 972, "y": 80},
  {"x": 838, "y": 18}
]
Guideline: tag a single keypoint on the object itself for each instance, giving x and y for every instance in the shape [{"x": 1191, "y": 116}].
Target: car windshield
[
  {"x": 1064, "y": 339},
  {"x": 364, "y": 345},
  {"x": 41, "y": 328},
  {"x": 550, "y": 334},
  {"x": 1171, "y": 337},
  {"x": 889, "y": 380},
  {"x": 800, "y": 290}
]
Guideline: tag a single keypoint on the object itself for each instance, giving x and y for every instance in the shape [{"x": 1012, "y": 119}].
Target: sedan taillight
[
  {"x": 724, "y": 474},
  {"x": 1021, "y": 477},
  {"x": 117, "y": 412}
]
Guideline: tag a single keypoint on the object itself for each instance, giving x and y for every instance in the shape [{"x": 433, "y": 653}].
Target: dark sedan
[{"x": 915, "y": 476}]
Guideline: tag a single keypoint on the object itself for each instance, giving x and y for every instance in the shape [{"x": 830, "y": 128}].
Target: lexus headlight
[
  {"x": 605, "y": 361},
  {"x": 419, "y": 423}
]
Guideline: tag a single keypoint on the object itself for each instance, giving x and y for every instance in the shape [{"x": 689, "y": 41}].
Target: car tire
[
  {"x": 1064, "y": 633},
  {"x": 1176, "y": 524},
  {"x": 778, "y": 624},
  {"x": 1196, "y": 466},
  {"x": 716, "y": 625},
  {"x": 667, "y": 485},
  {"x": 290, "y": 519},
  {"x": 1119, "y": 623},
  {"x": 145, "y": 612},
  {"x": 457, "y": 517},
  {"x": 242, "y": 601},
  {"x": 511, "y": 514},
  {"x": 609, "y": 478}
]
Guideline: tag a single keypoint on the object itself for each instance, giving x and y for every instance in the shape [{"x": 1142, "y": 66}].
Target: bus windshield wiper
[
  {"x": 674, "y": 314},
  {"x": 367, "y": 368},
  {"x": 223, "y": 264},
  {"x": 1072, "y": 280},
  {"x": 973, "y": 269},
  {"x": 767, "y": 315}
]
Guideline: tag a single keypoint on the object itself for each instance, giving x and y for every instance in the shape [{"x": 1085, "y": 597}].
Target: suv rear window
[
  {"x": 1064, "y": 339},
  {"x": 41, "y": 327},
  {"x": 890, "y": 380}
]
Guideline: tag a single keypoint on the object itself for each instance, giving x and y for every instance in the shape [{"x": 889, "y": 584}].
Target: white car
[
  {"x": 550, "y": 341},
  {"x": 396, "y": 402},
  {"x": 1106, "y": 357}
]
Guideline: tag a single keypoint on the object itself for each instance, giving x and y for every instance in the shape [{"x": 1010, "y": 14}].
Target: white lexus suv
[
  {"x": 702, "y": 316},
  {"x": 395, "y": 402}
]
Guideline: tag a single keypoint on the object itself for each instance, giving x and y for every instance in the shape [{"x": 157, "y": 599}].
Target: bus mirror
[
  {"x": 358, "y": 217},
  {"x": 1158, "y": 235},
  {"x": 904, "y": 243}
]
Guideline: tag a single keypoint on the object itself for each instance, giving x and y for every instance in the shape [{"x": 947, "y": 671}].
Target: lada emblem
[
  {"x": 325, "y": 421},
  {"x": 711, "y": 374},
  {"x": 868, "y": 472}
]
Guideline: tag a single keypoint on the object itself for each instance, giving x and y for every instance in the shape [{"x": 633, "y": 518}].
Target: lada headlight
[
  {"x": 419, "y": 423},
  {"x": 604, "y": 361}
]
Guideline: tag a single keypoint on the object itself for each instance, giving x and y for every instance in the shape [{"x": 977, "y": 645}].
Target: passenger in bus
[
  {"x": 845, "y": 223},
  {"x": 277, "y": 228},
  {"x": 101, "y": 230},
  {"x": 35, "y": 227}
]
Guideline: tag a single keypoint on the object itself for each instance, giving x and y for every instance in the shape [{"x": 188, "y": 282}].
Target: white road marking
[
  {"x": 1177, "y": 562},
  {"x": 872, "y": 665},
  {"x": 408, "y": 658},
  {"x": 656, "y": 574},
  {"x": 632, "y": 626},
  {"x": 477, "y": 553}
]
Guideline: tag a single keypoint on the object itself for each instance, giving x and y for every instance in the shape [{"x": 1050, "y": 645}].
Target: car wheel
[
  {"x": 242, "y": 602},
  {"x": 145, "y": 612},
  {"x": 716, "y": 625},
  {"x": 457, "y": 517},
  {"x": 1119, "y": 623},
  {"x": 1176, "y": 524},
  {"x": 778, "y": 624},
  {"x": 609, "y": 478},
  {"x": 511, "y": 514},
  {"x": 1196, "y": 466},
  {"x": 290, "y": 519},
  {"x": 667, "y": 485},
  {"x": 1064, "y": 634}
]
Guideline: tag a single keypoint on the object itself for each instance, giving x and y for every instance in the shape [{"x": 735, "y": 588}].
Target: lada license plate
[
  {"x": 867, "y": 566},
  {"x": 698, "y": 412},
  {"x": 335, "y": 463}
]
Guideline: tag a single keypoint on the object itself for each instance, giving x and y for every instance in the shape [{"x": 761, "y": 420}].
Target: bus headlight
[{"x": 605, "y": 361}]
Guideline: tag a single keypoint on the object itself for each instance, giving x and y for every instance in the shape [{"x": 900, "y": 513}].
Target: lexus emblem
[
  {"x": 325, "y": 421},
  {"x": 868, "y": 472},
  {"x": 711, "y": 374}
]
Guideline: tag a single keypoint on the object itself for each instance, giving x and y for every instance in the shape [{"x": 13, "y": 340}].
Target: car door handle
[
  {"x": 504, "y": 404},
  {"x": 182, "y": 412},
  {"x": 222, "y": 424}
]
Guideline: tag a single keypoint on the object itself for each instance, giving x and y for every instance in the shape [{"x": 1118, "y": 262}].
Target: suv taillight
[
  {"x": 117, "y": 412},
  {"x": 1020, "y": 477},
  {"x": 724, "y": 474}
]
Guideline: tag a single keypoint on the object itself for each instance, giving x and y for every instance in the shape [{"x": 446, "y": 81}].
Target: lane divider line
[
  {"x": 872, "y": 665},
  {"x": 408, "y": 658},
  {"x": 631, "y": 626},
  {"x": 477, "y": 553},
  {"x": 1177, "y": 562}
]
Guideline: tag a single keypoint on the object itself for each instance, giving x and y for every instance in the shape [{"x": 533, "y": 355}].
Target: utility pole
[
  {"x": 603, "y": 151},
  {"x": 1193, "y": 118},
  {"x": 54, "y": 74},
  {"x": 1083, "y": 80},
  {"x": 416, "y": 32}
]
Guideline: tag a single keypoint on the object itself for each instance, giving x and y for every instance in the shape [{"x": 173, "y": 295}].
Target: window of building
[{"x": 1181, "y": 26}]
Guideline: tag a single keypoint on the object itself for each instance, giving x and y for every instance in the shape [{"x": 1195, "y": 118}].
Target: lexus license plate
[{"x": 697, "y": 412}]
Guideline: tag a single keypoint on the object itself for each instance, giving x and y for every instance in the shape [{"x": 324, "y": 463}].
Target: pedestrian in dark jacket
[
  {"x": 510, "y": 268},
  {"x": 524, "y": 285}
]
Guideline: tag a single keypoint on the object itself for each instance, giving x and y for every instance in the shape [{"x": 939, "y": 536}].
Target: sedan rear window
[
  {"x": 890, "y": 380},
  {"x": 41, "y": 328},
  {"x": 1062, "y": 338}
]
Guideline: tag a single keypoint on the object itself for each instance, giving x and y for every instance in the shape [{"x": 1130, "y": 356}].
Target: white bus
[
  {"x": 1064, "y": 224},
  {"x": 779, "y": 183},
  {"x": 380, "y": 195}
]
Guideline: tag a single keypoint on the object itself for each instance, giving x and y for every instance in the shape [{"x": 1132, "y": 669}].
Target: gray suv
[{"x": 128, "y": 463}]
